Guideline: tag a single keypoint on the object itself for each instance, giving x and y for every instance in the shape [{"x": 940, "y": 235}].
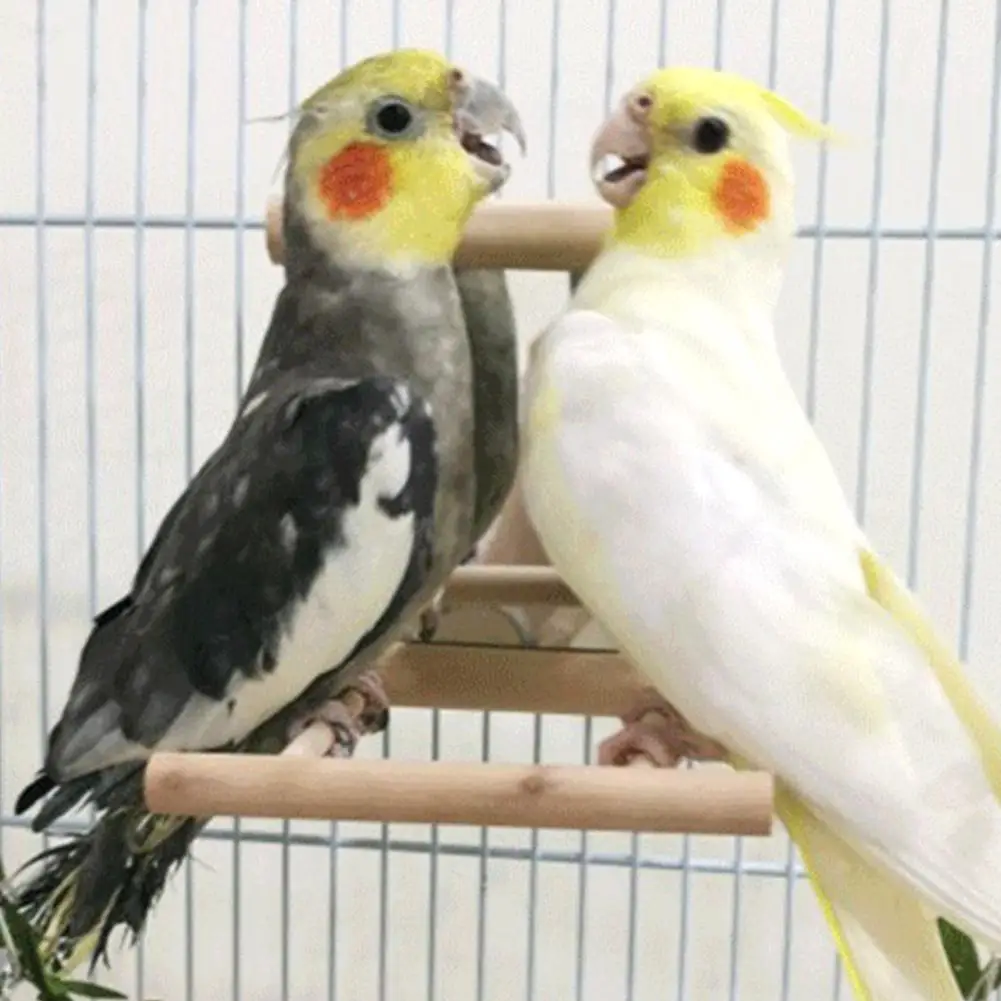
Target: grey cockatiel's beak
[{"x": 483, "y": 112}]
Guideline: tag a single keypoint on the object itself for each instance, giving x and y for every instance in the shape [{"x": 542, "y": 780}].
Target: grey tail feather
[
  {"x": 112, "y": 875},
  {"x": 77, "y": 893}
]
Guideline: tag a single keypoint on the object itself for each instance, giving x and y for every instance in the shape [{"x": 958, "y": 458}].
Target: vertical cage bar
[
  {"x": 88, "y": 309},
  {"x": 718, "y": 39},
  {"x": 928, "y": 291},
  {"x": 189, "y": 402},
  {"x": 662, "y": 35},
  {"x": 873, "y": 290},
  {"x": 139, "y": 334},
  {"x": 41, "y": 375},
  {"x": 583, "y": 868},
  {"x": 484, "y": 875},
  {"x": 819, "y": 243},
  {"x": 554, "y": 91},
  {"x": 239, "y": 316},
  {"x": 90, "y": 333},
  {"x": 533, "y": 876},
  {"x": 432, "y": 949},
  {"x": 384, "y": 891},
  {"x": 610, "y": 29},
  {"x": 980, "y": 369},
  {"x": 773, "y": 43},
  {"x": 397, "y": 23},
  {"x": 449, "y": 41}
]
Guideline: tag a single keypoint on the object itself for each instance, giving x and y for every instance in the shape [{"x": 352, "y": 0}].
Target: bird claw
[
  {"x": 349, "y": 726},
  {"x": 430, "y": 617},
  {"x": 655, "y": 730},
  {"x": 374, "y": 717}
]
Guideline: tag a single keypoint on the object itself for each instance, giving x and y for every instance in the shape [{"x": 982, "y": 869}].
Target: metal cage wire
[{"x": 719, "y": 959}]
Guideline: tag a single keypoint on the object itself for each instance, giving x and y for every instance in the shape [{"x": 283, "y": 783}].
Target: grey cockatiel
[{"x": 375, "y": 441}]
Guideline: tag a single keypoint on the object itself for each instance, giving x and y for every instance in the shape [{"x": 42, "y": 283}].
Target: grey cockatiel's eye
[{"x": 394, "y": 118}]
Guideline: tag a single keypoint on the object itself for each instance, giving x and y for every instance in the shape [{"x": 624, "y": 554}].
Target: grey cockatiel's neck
[
  {"x": 356, "y": 322},
  {"x": 360, "y": 320},
  {"x": 485, "y": 305}
]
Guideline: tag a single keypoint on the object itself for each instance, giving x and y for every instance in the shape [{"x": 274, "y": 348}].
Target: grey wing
[
  {"x": 490, "y": 324},
  {"x": 302, "y": 537}
]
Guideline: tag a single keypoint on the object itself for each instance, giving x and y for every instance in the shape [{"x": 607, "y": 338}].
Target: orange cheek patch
[
  {"x": 356, "y": 183},
  {"x": 742, "y": 195}
]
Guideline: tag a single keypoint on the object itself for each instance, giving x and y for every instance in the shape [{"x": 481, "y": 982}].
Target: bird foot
[
  {"x": 655, "y": 730},
  {"x": 430, "y": 617},
  {"x": 374, "y": 715},
  {"x": 358, "y": 710}
]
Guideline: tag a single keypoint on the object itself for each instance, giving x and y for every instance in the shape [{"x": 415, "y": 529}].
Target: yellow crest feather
[{"x": 796, "y": 122}]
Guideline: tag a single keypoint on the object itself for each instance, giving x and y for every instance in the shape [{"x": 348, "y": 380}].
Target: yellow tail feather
[{"x": 887, "y": 938}]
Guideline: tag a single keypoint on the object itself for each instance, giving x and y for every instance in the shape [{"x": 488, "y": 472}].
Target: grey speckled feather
[{"x": 216, "y": 599}]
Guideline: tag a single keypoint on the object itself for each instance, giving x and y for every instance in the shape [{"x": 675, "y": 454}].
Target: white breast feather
[{"x": 356, "y": 582}]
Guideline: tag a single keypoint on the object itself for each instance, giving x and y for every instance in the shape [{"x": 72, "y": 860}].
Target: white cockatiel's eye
[{"x": 710, "y": 135}]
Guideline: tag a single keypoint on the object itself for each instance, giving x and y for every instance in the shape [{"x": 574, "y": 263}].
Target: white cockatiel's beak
[{"x": 620, "y": 152}]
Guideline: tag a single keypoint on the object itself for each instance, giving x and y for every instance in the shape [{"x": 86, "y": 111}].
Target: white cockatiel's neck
[
  {"x": 741, "y": 277},
  {"x": 703, "y": 326}
]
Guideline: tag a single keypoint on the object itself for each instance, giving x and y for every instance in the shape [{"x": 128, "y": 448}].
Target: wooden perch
[
  {"x": 542, "y": 236},
  {"x": 511, "y": 679},
  {"x": 303, "y": 784},
  {"x": 508, "y": 585},
  {"x": 698, "y": 801}
]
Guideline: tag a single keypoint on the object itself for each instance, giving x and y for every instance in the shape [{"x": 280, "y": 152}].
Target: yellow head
[
  {"x": 389, "y": 159},
  {"x": 693, "y": 156}
]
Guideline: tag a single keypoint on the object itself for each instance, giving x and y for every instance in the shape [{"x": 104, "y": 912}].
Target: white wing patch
[
  {"x": 356, "y": 582},
  {"x": 253, "y": 403}
]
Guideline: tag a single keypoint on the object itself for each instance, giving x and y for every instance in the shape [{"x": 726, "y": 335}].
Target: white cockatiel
[{"x": 678, "y": 486}]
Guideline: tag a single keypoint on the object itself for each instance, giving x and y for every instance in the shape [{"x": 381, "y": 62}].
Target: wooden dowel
[
  {"x": 511, "y": 679},
  {"x": 698, "y": 801},
  {"x": 508, "y": 585},
  {"x": 313, "y": 742},
  {"x": 545, "y": 236},
  {"x": 526, "y": 236}
]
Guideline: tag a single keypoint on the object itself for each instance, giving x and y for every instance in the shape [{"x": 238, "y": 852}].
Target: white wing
[{"x": 681, "y": 491}]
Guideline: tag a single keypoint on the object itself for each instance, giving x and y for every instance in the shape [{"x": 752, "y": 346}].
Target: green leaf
[
  {"x": 24, "y": 938},
  {"x": 54, "y": 989},
  {"x": 87, "y": 989},
  {"x": 962, "y": 955}
]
